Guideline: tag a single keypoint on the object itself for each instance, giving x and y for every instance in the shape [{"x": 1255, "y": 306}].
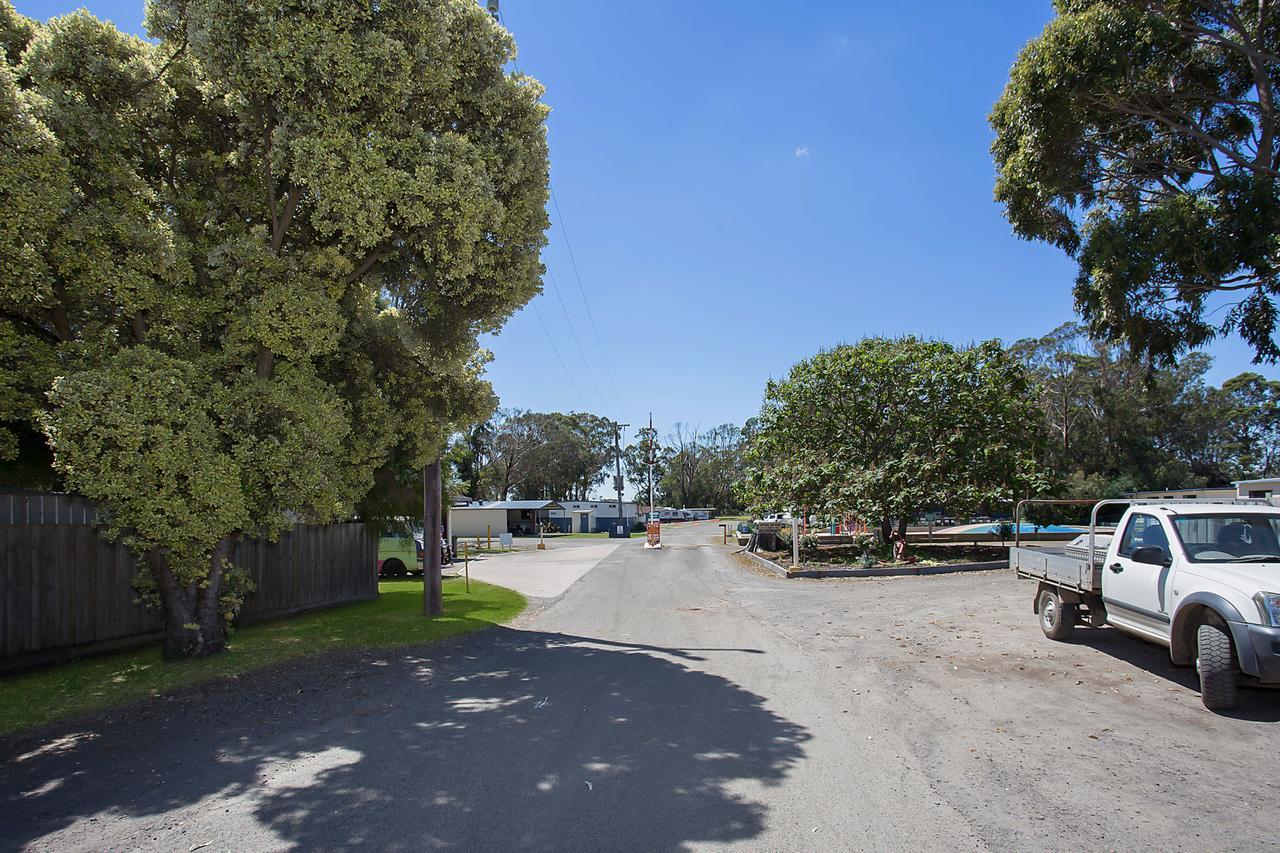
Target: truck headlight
[{"x": 1269, "y": 607}]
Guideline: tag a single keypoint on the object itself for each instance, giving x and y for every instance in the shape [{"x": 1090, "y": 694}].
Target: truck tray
[
  {"x": 1062, "y": 570},
  {"x": 1079, "y": 547}
]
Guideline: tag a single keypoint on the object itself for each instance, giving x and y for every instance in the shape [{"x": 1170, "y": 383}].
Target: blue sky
[{"x": 743, "y": 183}]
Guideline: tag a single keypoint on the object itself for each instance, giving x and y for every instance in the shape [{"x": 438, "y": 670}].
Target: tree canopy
[
  {"x": 693, "y": 467},
  {"x": 1114, "y": 421},
  {"x": 1141, "y": 137},
  {"x": 531, "y": 455},
  {"x": 888, "y": 428},
  {"x": 243, "y": 267}
]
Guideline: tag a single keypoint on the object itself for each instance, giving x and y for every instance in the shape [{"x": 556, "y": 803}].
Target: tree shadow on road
[{"x": 507, "y": 739}]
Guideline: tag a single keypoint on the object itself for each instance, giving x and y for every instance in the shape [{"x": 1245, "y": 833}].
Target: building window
[{"x": 1259, "y": 493}]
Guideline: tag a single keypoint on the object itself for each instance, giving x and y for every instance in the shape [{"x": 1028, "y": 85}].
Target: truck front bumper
[{"x": 1258, "y": 648}]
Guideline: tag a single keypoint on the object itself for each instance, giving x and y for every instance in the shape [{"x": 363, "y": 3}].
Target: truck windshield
[{"x": 1230, "y": 538}]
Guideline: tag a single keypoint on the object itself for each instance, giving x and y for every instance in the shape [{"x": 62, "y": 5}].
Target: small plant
[{"x": 863, "y": 543}]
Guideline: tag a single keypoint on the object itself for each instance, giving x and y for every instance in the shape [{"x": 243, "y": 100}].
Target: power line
[
  {"x": 604, "y": 359},
  {"x": 559, "y": 357},
  {"x": 555, "y": 287},
  {"x": 573, "y": 333}
]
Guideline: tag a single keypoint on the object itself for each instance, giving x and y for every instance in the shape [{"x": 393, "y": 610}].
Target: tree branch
[
  {"x": 367, "y": 264},
  {"x": 279, "y": 228},
  {"x": 31, "y": 326}
]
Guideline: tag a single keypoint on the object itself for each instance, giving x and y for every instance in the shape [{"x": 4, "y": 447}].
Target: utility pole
[
  {"x": 617, "y": 479},
  {"x": 652, "y": 452},
  {"x": 432, "y": 587}
]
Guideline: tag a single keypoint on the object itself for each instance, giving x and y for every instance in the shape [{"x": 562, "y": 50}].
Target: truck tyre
[
  {"x": 1057, "y": 618},
  {"x": 1217, "y": 667},
  {"x": 393, "y": 568}
]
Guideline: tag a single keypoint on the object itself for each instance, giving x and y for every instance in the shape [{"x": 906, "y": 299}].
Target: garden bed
[{"x": 841, "y": 561}]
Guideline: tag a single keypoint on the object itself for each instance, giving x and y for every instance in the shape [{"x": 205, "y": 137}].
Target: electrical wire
[
  {"x": 501, "y": 17},
  {"x": 573, "y": 333},
  {"x": 559, "y": 357},
  {"x": 604, "y": 359}
]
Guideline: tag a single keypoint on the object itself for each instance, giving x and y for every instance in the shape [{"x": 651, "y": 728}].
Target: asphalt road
[{"x": 676, "y": 700}]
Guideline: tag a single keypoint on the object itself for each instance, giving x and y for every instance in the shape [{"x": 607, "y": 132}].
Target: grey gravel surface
[{"x": 673, "y": 700}]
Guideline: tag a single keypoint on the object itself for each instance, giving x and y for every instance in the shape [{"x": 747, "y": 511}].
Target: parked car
[
  {"x": 398, "y": 555},
  {"x": 1201, "y": 578}
]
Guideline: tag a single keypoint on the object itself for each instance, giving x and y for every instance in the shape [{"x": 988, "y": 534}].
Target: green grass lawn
[{"x": 394, "y": 619}]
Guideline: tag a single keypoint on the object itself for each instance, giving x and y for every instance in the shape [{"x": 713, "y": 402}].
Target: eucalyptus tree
[
  {"x": 886, "y": 428},
  {"x": 1140, "y": 136},
  {"x": 244, "y": 265}
]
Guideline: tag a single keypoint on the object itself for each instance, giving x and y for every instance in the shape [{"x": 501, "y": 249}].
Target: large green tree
[
  {"x": 1117, "y": 421},
  {"x": 531, "y": 455},
  {"x": 1141, "y": 137},
  {"x": 886, "y": 428},
  {"x": 1252, "y": 423},
  {"x": 243, "y": 266}
]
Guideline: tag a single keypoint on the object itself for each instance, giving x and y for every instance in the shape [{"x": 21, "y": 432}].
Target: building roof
[
  {"x": 1255, "y": 482},
  {"x": 510, "y": 505},
  {"x": 1199, "y": 491}
]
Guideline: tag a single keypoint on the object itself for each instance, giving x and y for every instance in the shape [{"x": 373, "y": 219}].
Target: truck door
[{"x": 1135, "y": 592}]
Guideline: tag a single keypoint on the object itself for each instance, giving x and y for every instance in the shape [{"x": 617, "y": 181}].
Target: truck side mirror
[{"x": 1152, "y": 555}]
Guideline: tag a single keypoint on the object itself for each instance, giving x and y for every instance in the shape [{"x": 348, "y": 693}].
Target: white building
[
  {"x": 490, "y": 518},
  {"x": 1207, "y": 493},
  {"x": 1266, "y": 487},
  {"x": 592, "y": 516}
]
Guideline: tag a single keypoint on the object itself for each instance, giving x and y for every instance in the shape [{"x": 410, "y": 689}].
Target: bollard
[{"x": 795, "y": 543}]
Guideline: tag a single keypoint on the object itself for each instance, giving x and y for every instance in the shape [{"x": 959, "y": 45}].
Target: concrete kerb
[
  {"x": 767, "y": 564},
  {"x": 887, "y": 572}
]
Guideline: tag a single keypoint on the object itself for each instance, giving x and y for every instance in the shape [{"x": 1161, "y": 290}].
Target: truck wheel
[
  {"x": 1217, "y": 667},
  {"x": 1057, "y": 618},
  {"x": 394, "y": 569}
]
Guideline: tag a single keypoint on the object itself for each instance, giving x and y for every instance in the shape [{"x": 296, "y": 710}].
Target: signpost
[{"x": 653, "y": 534}]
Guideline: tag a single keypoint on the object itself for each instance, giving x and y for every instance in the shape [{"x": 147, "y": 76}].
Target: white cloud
[{"x": 802, "y": 151}]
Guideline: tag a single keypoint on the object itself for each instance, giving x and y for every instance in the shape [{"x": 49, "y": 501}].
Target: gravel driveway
[{"x": 677, "y": 700}]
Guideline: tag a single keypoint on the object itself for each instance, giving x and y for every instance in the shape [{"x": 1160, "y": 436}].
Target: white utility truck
[{"x": 1199, "y": 577}]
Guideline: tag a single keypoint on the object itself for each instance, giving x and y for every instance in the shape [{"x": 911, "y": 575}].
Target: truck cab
[{"x": 1201, "y": 578}]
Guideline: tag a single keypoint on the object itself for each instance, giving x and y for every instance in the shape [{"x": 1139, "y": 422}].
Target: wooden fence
[{"x": 66, "y": 590}]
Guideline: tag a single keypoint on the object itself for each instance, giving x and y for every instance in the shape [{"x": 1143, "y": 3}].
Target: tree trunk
[
  {"x": 886, "y": 528},
  {"x": 433, "y": 594},
  {"x": 193, "y": 624}
]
